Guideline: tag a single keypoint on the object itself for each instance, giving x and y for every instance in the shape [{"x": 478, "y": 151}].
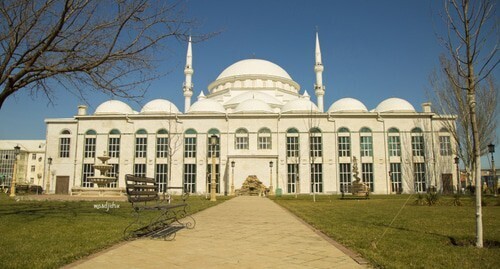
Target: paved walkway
[{"x": 244, "y": 232}]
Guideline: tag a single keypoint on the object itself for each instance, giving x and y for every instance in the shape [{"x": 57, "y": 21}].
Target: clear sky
[{"x": 371, "y": 50}]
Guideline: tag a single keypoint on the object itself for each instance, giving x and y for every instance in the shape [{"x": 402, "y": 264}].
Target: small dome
[
  {"x": 253, "y": 106},
  {"x": 266, "y": 98},
  {"x": 254, "y": 67},
  {"x": 113, "y": 107},
  {"x": 300, "y": 105},
  {"x": 347, "y": 105},
  {"x": 207, "y": 106},
  {"x": 394, "y": 105},
  {"x": 159, "y": 106}
]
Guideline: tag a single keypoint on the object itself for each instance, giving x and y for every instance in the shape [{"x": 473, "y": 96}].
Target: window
[
  {"x": 33, "y": 157},
  {"x": 140, "y": 169},
  {"x": 292, "y": 143},
  {"x": 420, "y": 178},
  {"x": 190, "y": 144},
  {"x": 33, "y": 168},
  {"x": 367, "y": 174},
  {"x": 394, "y": 143},
  {"x": 89, "y": 148},
  {"x": 161, "y": 176},
  {"x": 190, "y": 178},
  {"x": 217, "y": 178},
  {"x": 417, "y": 142},
  {"x": 344, "y": 146},
  {"x": 395, "y": 175},
  {"x": 264, "y": 138},
  {"x": 344, "y": 142},
  {"x": 293, "y": 177},
  {"x": 241, "y": 139},
  {"x": 64, "y": 147},
  {"x": 345, "y": 176},
  {"x": 317, "y": 177},
  {"x": 161, "y": 147},
  {"x": 87, "y": 171},
  {"x": 444, "y": 145},
  {"x": 366, "y": 142},
  {"x": 113, "y": 172},
  {"x": 141, "y": 144},
  {"x": 315, "y": 143},
  {"x": 114, "y": 147}
]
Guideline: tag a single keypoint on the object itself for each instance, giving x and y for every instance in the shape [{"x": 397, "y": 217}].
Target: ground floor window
[
  {"x": 419, "y": 176},
  {"x": 345, "y": 176},
  {"x": 367, "y": 175},
  {"x": 140, "y": 170},
  {"x": 395, "y": 175},
  {"x": 293, "y": 177},
  {"x": 113, "y": 172},
  {"x": 190, "y": 178},
  {"x": 217, "y": 178},
  {"x": 317, "y": 177},
  {"x": 161, "y": 175},
  {"x": 87, "y": 171}
]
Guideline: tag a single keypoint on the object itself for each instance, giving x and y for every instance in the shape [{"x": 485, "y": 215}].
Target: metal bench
[{"x": 143, "y": 194}]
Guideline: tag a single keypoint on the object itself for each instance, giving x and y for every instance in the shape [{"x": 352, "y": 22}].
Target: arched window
[
  {"x": 64, "y": 143},
  {"x": 264, "y": 139},
  {"x": 241, "y": 139},
  {"x": 89, "y": 144},
  {"x": 444, "y": 142},
  {"x": 114, "y": 141},
  {"x": 213, "y": 149},
  {"x": 162, "y": 145},
  {"x": 292, "y": 143},
  {"x": 315, "y": 143},
  {"x": 141, "y": 143},
  {"x": 394, "y": 142},
  {"x": 417, "y": 142},
  {"x": 190, "y": 143},
  {"x": 366, "y": 142},
  {"x": 344, "y": 142}
]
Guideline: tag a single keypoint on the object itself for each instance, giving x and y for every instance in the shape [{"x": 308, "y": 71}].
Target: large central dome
[{"x": 254, "y": 67}]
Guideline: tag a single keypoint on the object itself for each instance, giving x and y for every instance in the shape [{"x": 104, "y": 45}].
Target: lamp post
[
  {"x": 49, "y": 161},
  {"x": 271, "y": 192},
  {"x": 457, "y": 162},
  {"x": 17, "y": 150},
  {"x": 232, "y": 177},
  {"x": 213, "y": 143},
  {"x": 491, "y": 149}
]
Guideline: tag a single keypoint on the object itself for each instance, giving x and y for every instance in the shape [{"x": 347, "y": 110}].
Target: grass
[
  {"x": 50, "y": 234},
  {"x": 439, "y": 236}
]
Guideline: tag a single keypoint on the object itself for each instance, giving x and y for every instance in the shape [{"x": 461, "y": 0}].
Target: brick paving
[{"x": 244, "y": 232}]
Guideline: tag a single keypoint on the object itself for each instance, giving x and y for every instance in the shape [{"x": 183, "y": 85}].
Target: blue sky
[{"x": 372, "y": 50}]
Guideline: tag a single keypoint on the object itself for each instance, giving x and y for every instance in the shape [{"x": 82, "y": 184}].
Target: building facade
[
  {"x": 30, "y": 166},
  {"x": 265, "y": 126}
]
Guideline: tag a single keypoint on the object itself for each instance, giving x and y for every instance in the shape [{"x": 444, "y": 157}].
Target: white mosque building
[{"x": 265, "y": 126}]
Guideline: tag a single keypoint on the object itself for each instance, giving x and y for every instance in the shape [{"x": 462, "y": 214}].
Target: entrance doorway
[
  {"x": 447, "y": 183},
  {"x": 62, "y": 184}
]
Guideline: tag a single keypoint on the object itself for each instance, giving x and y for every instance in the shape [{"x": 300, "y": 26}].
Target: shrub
[
  {"x": 456, "y": 200},
  {"x": 432, "y": 198}
]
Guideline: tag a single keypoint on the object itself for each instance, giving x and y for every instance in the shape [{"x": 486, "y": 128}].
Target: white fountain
[{"x": 101, "y": 181}]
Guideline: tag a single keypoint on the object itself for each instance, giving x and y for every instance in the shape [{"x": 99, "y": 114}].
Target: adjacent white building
[
  {"x": 266, "y": 126},
  {"x": 30, "y": 164}
]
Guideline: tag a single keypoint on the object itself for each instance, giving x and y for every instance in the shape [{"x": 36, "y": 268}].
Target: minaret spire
[
  {"x": 319, "y": 89},
  {"x": 188, "y": 72}
]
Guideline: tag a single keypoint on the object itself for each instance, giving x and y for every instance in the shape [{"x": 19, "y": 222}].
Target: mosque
[{"x": 256, "y": 121}]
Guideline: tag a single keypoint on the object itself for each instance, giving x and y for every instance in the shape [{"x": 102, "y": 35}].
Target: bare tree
[
  {"x": 452, "y": 100},
  {"x": 473, "y": 61},
  {"x": 83, "y": 44}
]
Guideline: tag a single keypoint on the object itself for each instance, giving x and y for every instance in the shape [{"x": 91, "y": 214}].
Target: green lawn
[
  {"x": 440, "y": 236},
  {"x": 49, "y": 234}
]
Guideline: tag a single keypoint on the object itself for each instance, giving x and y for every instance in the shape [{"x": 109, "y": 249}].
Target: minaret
[
  {"x": 319, "y": 89},
  {"x": 188, "y": 84}
]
